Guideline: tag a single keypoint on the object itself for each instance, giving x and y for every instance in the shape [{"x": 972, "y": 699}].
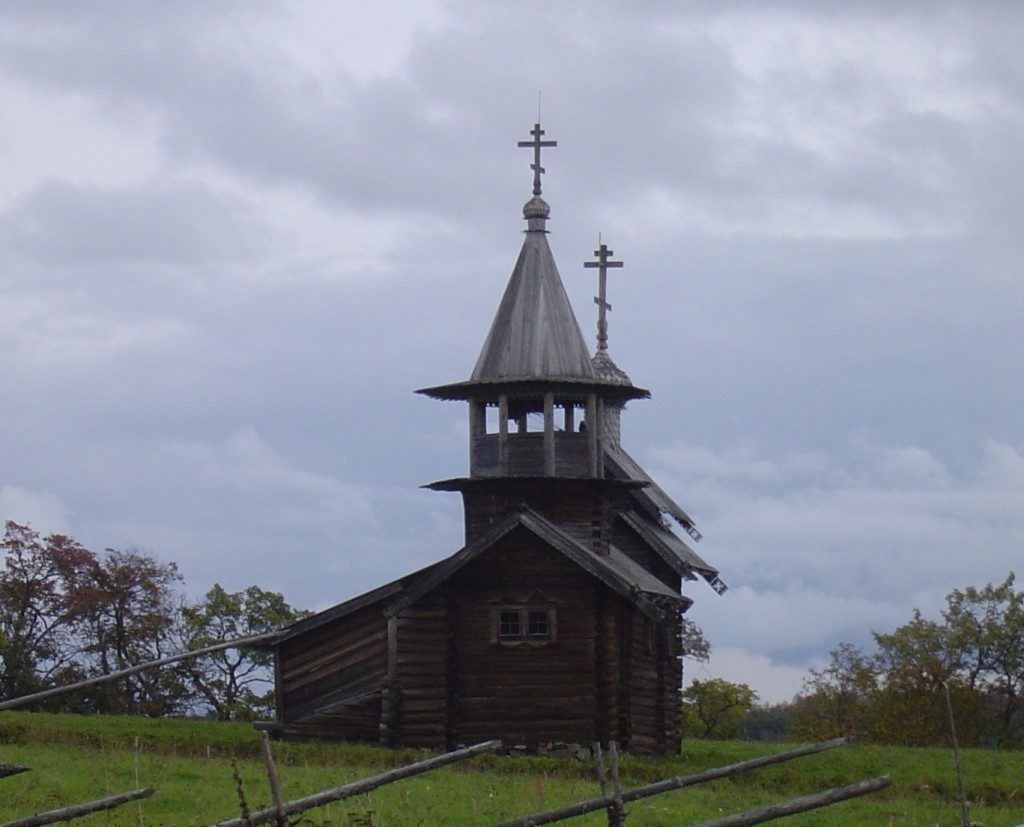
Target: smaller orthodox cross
[
  {"x": 536, "y": 143},
  {"x": 602, "y": 264}
]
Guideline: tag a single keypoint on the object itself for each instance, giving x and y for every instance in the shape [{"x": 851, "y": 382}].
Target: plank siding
[{"x": 342, "y": 659}]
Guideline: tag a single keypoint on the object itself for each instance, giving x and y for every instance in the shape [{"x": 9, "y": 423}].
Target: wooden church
[{"x": 560, "y": 618}]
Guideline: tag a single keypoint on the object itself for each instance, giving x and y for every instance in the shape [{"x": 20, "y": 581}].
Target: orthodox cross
[
  {"x": 536, "y": 143},
  {"x": 602, "y": 264}
]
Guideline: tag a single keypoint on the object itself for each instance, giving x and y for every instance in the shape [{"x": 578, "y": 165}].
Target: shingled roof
[{"x": 534, "y": 334}]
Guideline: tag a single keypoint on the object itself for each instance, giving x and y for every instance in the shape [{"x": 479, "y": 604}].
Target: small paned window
[
  {"x": 523, "y": 624},
  {"x": 510, "y": 624},
  {"x": 537, "y": 623}
]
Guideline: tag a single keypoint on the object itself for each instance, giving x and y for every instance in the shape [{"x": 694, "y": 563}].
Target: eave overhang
[
  {"x": 532, "y": 386},
  {"x": 596, "y": 483}
]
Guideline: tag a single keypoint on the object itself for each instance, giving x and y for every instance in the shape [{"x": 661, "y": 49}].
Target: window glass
[
  {"x": 510, "y": 624},
  {"x": 538, "y": 624},
  {"x": 523, "y": 623}
]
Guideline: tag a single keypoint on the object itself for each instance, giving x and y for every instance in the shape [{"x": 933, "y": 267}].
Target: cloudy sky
[{"x": 235, "y": 237}]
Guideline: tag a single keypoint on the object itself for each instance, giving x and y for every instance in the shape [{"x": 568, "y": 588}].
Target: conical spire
[{"x": 534, "y": 334}]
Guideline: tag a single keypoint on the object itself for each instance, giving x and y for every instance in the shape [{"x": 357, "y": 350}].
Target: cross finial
[
  {"x": 536, "y": 143},
  {"x": 602, "y": 264}
]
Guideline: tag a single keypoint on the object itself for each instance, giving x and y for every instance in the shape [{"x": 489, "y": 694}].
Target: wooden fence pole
[
  {"x": 12, "y": 769},
  {"x": 602, "y": 782},
  {"x": 580, "y": 807},
  {"x": 799, "y": 805},
  {"x": 364, "y": 785},
  {"x": 77, "y": 810},
  {"x": 965, "y": 815},
  {"x": 123, "y": 673},
  {"x": 617, "y": 812},
  {"x": 275, "y": 788}
]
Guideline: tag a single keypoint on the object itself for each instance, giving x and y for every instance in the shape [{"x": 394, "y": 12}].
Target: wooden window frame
[{"x": 524, "y": 638}]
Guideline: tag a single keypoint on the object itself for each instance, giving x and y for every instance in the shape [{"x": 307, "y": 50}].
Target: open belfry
[{"x": 560, "y": 619}]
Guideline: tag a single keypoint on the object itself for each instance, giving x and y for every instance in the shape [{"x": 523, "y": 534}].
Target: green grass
[{"x": 189, "y": 763}]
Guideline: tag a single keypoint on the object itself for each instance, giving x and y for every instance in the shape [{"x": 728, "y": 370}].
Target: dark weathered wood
[
  {"x": 588, "y": 806},
  {"x": 799, "y": 805},
  {"x": 78, "y": 810},
  {"x": 549, "y": 434},
  {"x": 364, "y": 785},
  {"x": 12, "y": 769},
  {"x": 281, "y": 817},
  {"x": 965, "y": 815},
  {"x": 616, "y": 812},
  {"x": 123, "y": 673},
  {"x": 592, "y": 431}
]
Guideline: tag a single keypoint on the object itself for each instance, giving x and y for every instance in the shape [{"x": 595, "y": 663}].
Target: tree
[
  {"x": 895, "y": 695},
  {"x": 129, "y": 616},
  {"x": 836, "y": 700},
  {"x": 234, "y": 683},
  {"x": 985, "y": 628},
  {"x": 694, "y": 645},
  {"x": 768, "y": 722},
  {"x": 42, "y": 585},
  {"x": 716, "y": 708}
]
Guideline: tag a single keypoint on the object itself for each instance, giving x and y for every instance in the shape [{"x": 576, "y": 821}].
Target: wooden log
[
  {"x": 364, "y": 785},
  {"x": 965, "y": 814},
  {"x": 12, "y": 769},
  {"x": 275, "y": 788},
  {"x": 590, "y": 805},
  {"x": 616, "y": 813},
  {"x": 78, "y": 810},
  {"x": 123, "y": 673},
  {"x": 800, "y": 805}
]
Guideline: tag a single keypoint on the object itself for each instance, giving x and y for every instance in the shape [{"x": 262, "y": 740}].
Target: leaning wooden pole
[
  {"x": 12, "y": 769},
  {"x": 281, "y": 817},
  {"x": 113, "y": 676},
  {"x": 799, "y": 805},
  {"x": 364, "y": 785},
  {"x": 581, "y": 807},
  {"x": 78, "y": 810},
  {"x": 965, "y": 814}
]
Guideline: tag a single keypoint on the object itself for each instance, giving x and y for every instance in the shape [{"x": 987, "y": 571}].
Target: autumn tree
[
  {"x": 837, "y": 699},
  {"x": 234, "y": 683},
  {"x": 896, "y": 693},
  {"x": 716, "y": 708},
  {"x": 130, "y": 609},
  {"x": 42, "y": 583},
  {"x": 985, "y": 628}
]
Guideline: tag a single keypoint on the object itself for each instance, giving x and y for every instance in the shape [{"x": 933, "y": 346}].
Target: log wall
[
  {"x": 424, "y": 634},
  {"x": 346, "y": 658},
  {"x": 570, "y": 506},
  {"x": 524, "y": 693}
]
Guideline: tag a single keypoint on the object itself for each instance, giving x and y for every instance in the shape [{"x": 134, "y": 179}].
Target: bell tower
[{"x": 541, "y": 411}]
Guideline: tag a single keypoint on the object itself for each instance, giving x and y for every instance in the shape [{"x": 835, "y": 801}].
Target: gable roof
[
  {"x": 616, "y": 570},
  {"x": 680, "y": 557},
  {"x": 654, "y": 500},
  {"x": 534, "y": 334}
]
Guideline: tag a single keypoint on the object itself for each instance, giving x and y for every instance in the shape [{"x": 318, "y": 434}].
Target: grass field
[{"x": 189, "y": 763}]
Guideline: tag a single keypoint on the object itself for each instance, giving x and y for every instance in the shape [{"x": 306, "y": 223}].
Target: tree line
[
  {"x": 895, "y": 692},
  {"x": 68, "y": 614}
]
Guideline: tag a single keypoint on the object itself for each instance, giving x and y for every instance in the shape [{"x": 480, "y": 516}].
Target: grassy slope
[{"x": 75, "y": 758}]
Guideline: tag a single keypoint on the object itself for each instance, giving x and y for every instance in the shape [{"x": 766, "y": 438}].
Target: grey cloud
[{"x": 153, "y": 224}]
